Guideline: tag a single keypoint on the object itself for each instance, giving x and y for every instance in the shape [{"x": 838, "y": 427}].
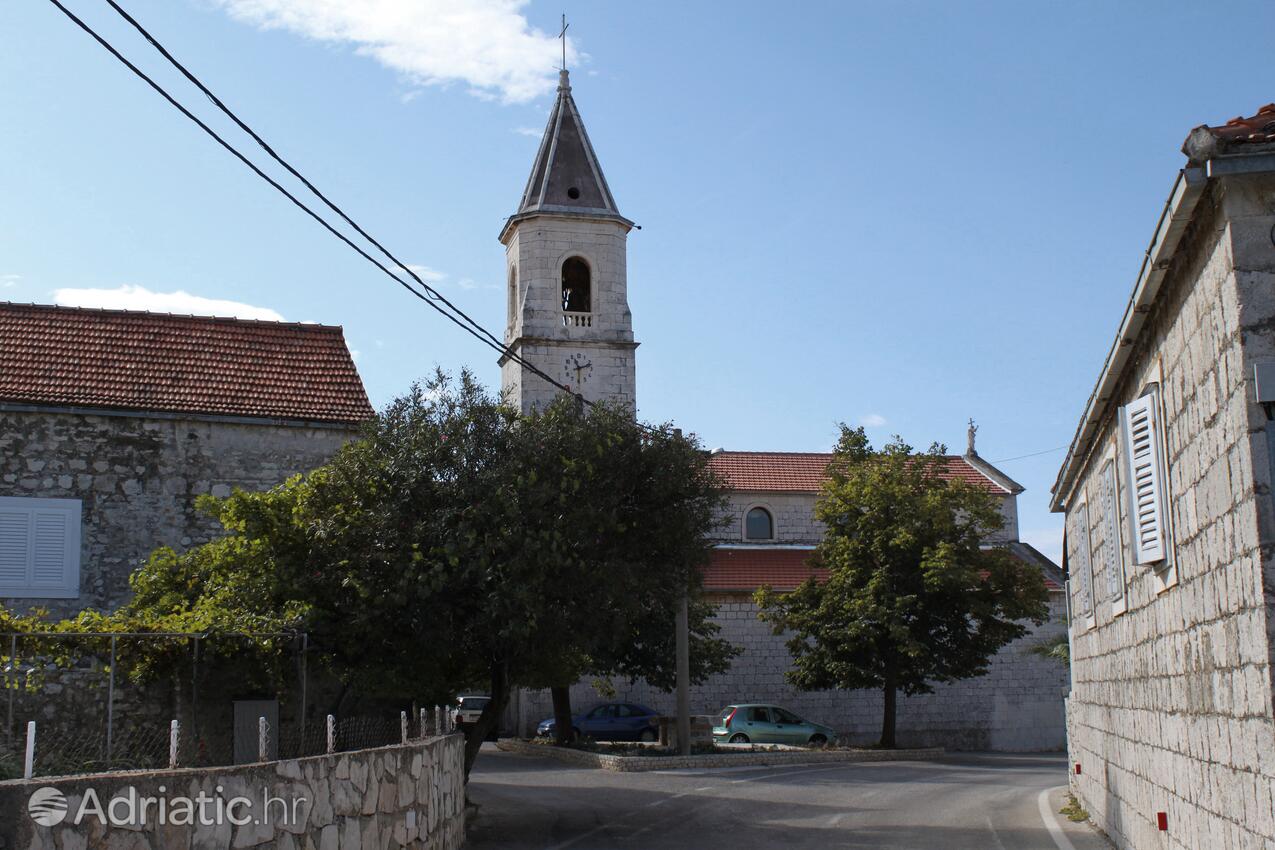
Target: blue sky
[{"x": 900, "y": 214}]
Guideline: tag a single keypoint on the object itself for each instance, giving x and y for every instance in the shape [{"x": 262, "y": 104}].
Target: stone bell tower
[{"x": 565, "y": 267}]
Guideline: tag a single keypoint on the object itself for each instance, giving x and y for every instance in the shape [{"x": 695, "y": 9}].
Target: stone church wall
[
  {"x": 1171, "y": 703},
  {"x": 138, "y": 480},
  {"x": 1017, "y": 706}
]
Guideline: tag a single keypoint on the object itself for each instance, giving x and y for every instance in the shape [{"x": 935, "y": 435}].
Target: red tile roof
[
  {"x": 125, "y": 360},
  {"x": 1239, "y": 135},
  {"x": 749, "y": 569},
  {"x": 804, "y": 471},
  {"x": 1256, "y": 129}
]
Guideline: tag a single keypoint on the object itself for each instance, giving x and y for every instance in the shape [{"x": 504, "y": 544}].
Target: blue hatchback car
[{"x": 611, "y": 721}]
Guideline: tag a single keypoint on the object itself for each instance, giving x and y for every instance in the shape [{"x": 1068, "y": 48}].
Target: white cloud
[
  {"x": 486, "y": 44},
  {"x": 872, "y": 420},
  {"x": 425, "y": 273},
  {"x": 529, "y": 131},
  {"x": 139, "y": 298},
  {"x": 8, "y": 281},
  {"x": 354, "y": 354}
]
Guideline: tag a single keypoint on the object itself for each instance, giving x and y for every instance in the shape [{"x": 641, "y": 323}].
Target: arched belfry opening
[{"x": 577, "y": 283}]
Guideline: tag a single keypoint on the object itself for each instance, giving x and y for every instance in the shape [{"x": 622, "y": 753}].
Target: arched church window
[
  {"x": 576, "y": 286},
  {"x": 759, "y": 525}
]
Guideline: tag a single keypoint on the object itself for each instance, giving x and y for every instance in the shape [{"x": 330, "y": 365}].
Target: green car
[{"x": 769, "y": 724}]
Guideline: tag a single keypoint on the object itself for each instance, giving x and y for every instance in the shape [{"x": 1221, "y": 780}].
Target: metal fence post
[
  {"x": 263, "y": 739},
  {"x": 173, "y": 735},
  {"x": 331, "y": 734},
  {"x": 110, "y": 704},
  {"x": 11, "y": 680},
  {"x": 424, "y": 722},
  {"x": 402, "y": 722},
  {"x": 305, "y": 680},
  {"x": 29, "y": 764}
]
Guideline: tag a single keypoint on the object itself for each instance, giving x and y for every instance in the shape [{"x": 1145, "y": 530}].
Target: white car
[{"x": 468, "y": 708}]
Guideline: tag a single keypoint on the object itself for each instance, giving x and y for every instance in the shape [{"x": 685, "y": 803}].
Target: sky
[{"x": 896, "y": 214}]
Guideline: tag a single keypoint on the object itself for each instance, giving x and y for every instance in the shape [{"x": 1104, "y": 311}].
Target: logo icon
[{"x": 47, "y": 806}]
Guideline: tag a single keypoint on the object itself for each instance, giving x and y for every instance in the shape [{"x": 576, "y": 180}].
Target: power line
[
  {"x": 1033, "y": 454},
  {"x": 472, "y": 328},
  {"x": 216, "y": 101}
]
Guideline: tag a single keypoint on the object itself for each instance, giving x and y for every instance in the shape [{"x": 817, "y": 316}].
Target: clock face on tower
[{"x": 576, "y": 370}]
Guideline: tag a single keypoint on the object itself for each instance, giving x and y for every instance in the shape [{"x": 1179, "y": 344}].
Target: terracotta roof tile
[
  {"x": 804, "y": 471},
  {"x": 783, "y": 569},
  {"x": 1235, "y": 136},
  {"x": 126, "y": 360},
  {"x": 749, "y": 569}
]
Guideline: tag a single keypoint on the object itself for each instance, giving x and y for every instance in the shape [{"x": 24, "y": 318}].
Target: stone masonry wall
[
  {"x": 1017, "y": 706},
  {"x": 138, "y": 480},
  {"x": 410, "y": 796},
  {"x": 1170, "y": 708},
  {"x": 795, "y": 523},
  {"x": 534, "y": 254}
]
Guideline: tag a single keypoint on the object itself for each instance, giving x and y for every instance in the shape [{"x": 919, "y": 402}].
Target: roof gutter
[{"x": 1174, "y": 219}]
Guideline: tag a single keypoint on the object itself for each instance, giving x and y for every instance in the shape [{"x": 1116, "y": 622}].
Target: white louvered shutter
[
  {"x": 39, "y": 548},
  {"x": 1111, "y": 554},
  {"x": 1083, "y": 569},
  {"x": 1146, "y": 487},
  {"x": 15, "y": 543}
]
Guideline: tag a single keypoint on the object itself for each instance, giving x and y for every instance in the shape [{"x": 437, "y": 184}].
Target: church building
[{"x": 568, "y": 316}]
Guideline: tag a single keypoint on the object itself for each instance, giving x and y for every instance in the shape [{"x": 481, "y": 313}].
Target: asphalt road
[{"x": 958, "y": 802}]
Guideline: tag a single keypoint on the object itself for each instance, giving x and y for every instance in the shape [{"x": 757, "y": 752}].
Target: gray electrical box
[{"x": 1264, "y": 382}]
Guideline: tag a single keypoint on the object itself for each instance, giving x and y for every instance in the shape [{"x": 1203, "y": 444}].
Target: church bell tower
[{"x": 565, "y": 267}]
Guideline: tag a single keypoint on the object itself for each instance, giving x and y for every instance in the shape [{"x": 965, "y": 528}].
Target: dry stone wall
[{"x": 409, "y": 796}]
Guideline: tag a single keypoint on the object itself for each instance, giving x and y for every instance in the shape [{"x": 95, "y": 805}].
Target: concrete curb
[{"x": 635, "y": 764}]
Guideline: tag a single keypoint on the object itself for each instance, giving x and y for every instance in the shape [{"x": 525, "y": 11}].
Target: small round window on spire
[{"x": 573, "y": 193}]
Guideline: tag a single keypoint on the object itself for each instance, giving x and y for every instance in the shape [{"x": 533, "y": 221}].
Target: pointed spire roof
[{"x": 566, "y": 176}]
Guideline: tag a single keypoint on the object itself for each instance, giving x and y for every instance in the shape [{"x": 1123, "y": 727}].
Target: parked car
[
  {"x": 611, "y": 721},
  {"x": 468, "y": 708},
  {"x": 769, "y": 724}
]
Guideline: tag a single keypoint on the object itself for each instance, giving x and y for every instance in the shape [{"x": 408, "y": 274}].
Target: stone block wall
[
  {"x": 1170, "y": 709},
  {"x": 410, "y": 796},
  {"x": 138, "y": 478},
  {"x": 1017, "y": 706},
  {"x": 793, "y": 513},
  {"x": 795, "y": 523}
]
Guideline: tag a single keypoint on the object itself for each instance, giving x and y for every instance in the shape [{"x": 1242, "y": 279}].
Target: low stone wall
[
  {"x": 635, "y": 764},
  {"x": 408, "y": 796}
]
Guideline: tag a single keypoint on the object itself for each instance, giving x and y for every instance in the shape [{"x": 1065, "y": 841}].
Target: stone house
[
  {"x": 568, "y": 314},
  {"x": 1170, "y": 525},
  {"x": 112, "y": 423}
]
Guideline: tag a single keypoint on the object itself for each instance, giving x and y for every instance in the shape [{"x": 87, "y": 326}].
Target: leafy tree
[
  {"x": 460, "y": 545},
  {"x": 911, "y": 598}
]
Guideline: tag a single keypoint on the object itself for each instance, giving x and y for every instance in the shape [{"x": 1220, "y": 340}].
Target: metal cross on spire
[{"x": 563, "y": 35}]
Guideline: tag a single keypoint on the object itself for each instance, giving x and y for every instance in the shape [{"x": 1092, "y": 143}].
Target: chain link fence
[{"x": 97, "y": 707}]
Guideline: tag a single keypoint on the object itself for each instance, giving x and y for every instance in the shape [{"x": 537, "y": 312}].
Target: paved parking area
[{"x": 957, "y": 802}]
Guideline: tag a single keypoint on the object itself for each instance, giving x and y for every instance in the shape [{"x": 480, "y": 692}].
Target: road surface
[{"x": 956, "y": 802}]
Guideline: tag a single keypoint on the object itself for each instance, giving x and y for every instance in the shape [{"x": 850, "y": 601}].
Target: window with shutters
[
  {"x": 1144, "y": 453},
  {"x": 1081, "y": 568},
  {"x": 39, "y": 548},
  {"x": 1112, "y": 551}
]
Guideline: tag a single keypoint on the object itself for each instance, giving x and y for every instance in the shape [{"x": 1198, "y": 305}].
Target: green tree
[
  {"x": 911, "y": 596},
  {"x": 459, "y": 545}
]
